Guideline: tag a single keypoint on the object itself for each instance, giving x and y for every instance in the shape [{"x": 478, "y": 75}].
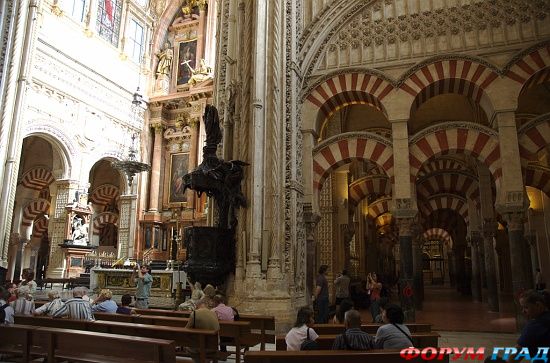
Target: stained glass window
[{"x": 109, "y": 13}]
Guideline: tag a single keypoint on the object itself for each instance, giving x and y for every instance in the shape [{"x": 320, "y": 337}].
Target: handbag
[{"x": 309, "y": 344}]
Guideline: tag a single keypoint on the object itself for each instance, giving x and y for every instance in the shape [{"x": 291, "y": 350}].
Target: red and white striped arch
[
  {"x": 451, "y": 85},
  {"x": 457, "y": 69},
  {"x": 102, "y": 219},
  {"x": 441, "y": 164},
  {"x": 384, "y": 220},
  {"x": 470, "y": 141},
  {"x": 104, "y": 194},
  {"x": 445, "y": 201},
  {"x": 529, "y": 65},
  {"x": 39, "y": 227},
  {"x": 538, "y": 177},
  {"x": 337, "y": 152},
  {"x": 379, "y": 207},
  {"x": 534, "y": 139},
  {"x": 372, "y": 184},
  {"x": 541, "y": 77},
  {"x": 37, "y": 178},
  {"x": 464, "y": 184},
  {"x": 437, "y": 234},
  {"x": 33, "y": 209}
]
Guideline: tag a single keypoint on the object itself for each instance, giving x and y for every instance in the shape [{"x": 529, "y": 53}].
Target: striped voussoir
[
  {"x": 102, "y": 219},
  {"x": 466, "y": 77},
  {"x": 33, "y": 209},
  {"x": 446, "y": 219},
  {"x": 437, "y": 234},
  {"x": 340, "y": 152},
  {"x": 532, "y": 140},
  {"x": 460, "y": 183},
  {"x": 384, "y": 220},
  {"x": 104, "y": 194},
  {"x": 441, "y": 164},
  {"x": 444, "y": 201},
  {"x": 379, "y": 207},
  {"x": 39, "y": 227},
  {"x": 372, "y": 184},
  {"x": 538, "y": 177},
  {"x": 37, "y": 178},
  {"x": 527, "y": 67},
  {"x": 470, "y": 141}
]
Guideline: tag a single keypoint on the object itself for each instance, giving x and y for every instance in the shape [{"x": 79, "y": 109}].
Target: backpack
[
  {"x": 236, "y": 316},
  {"x": 3, "y": 313},
  {"x": 309, "y": 344}
]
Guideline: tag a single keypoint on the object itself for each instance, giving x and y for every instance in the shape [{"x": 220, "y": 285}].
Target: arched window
[{"x": 109, "y": 13}]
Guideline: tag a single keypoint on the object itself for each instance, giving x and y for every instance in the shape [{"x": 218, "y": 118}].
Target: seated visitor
[
  {"x": 104, "y": 303},
  {"x": 76, "y": 308},
  {"x": 11, "y": 287},
  {"x": 5, "y": 307},
  {"x": 536, "y": 333},
  {"x": 52, "y": 306},
  {"x": 196, "y": 290},
  {"x": 393, "y": 334},
  {"x": 345, "y": 305},
  {"x": 23, "y": 305},
  {"x": 382, "y": 303},
  {"x": 223, "y": 312},
  {"x": 353, "y": 338},
  {"x": 124, "y": 307},
  {"x": 302, "y": 328},
  {"x": 202, "y": 318},
  {"x": 28, "y": 280},
  {"x": 209, "y": 293}
]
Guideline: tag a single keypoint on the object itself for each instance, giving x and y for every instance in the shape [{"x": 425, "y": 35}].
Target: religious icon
[
  {"x": 178, "y": 168},
  {"x": 186, "y": 61}
]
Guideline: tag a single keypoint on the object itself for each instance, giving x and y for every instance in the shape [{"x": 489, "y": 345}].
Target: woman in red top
[{"x": 374, "y": 287}]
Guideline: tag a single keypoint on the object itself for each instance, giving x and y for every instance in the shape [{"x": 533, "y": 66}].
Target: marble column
[
  {"x": 406, "y": 284},
  {"x": 311, "y": 219},
  {"x": 127, "y": 226},
  {"x": 57, "y": 226},
  {"x": 418, "y": 278},
  {"x": 155, "y": 168},
  {"x": 489, "y": 232},
  {"x": 518, "y": 247},
  {"x": 531, "y": 239},
  {"x": 475, "y": 241}
]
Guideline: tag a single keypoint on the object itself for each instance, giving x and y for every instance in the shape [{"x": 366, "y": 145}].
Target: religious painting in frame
[
  {"x": 187, "y": 61},
  {"x": 179, "y": 165}
]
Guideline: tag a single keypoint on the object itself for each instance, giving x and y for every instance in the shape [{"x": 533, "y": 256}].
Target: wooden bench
[
  {"x": 84, "y": 346},
  {"x": 323, "y": 329},
  {"x": 420, "y": 340},
  {"x": 262, "y": 326},
  {"x": 331, "y": 356},
  {"x": 204, "y": 342},
  {"x": 236, "y": 331}
]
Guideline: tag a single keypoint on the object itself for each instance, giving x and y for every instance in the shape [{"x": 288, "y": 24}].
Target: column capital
[
  {"x": 158, "y": 127},
  {"x": 406, "y": 227},
  {"x": 404, "y": 208},
  {"x": 489, "y": 227},
  {"x": 514, "y": 220},
  {"x": 311, "y": 219}
]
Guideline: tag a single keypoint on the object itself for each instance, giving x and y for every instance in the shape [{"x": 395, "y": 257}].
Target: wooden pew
[
  {"x": 90, "y": 347},
  {"x": 420, "y": 340},
  {"x": 237, "y": 331},
  {"x": 262, "y": 326},
  {"x": 330, "y": 356},
  {"x": 323, "y": 329},
  {"x": 205, "y": 342},
  {"x": 16, "y": 340}
]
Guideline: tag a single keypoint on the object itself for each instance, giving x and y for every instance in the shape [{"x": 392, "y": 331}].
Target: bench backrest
[
  {"x": 420, "y": 340},
  {"x": 368, "y": 328},
  {"x": 329, "y": 356}
]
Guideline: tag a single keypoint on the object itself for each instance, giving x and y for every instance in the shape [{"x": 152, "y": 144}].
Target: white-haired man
[{"x": 76, "y": 308}]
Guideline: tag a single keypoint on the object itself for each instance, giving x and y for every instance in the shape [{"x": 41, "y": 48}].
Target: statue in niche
[
  {"x": 200, "y": 74},
  {"x": 165, "y": 60},
  {"x": 79, "y": 232}
]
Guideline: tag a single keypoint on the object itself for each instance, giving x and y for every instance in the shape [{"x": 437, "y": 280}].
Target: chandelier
[{"x": 131, "y": 166}]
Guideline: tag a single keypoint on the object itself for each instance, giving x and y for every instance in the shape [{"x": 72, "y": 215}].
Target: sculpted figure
[{"x": 165, "y": 60}]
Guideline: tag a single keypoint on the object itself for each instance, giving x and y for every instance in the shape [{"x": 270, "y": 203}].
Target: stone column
[
  {"x": 489, "y": 232},
  {"x": 418, "y": 277},
  {"x": 406, "y": 290},
  {"x": 475, "y": 241},
  {"x": 201, "y": 30},
  {"x": 57, "y": 226},
  {"x": 531, "y": 239},
  {"x": 253, "y": 268},
  {"x": 127, "y": 226},
  {"x": 311, "y": 219},
  {"x": 520, "y": 281},
  {"x": 155, "y": 168}
]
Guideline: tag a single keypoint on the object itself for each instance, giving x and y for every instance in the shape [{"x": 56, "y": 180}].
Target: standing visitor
[
  {"x": 144, "y": 280},
  {"x": 341, "y": 284},
  {"x": 374, "y": 288},
  {"x": 321, "y": 296}
]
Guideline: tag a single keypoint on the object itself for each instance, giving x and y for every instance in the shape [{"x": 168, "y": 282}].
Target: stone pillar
[
  {"x": 311, "y": 219},
  {"x": 489, "y": 232},
  {"x": 475, "y": 241},
  {"x": 155, "y": 168},
  {"x": 520, "y": 281},
  {"x": 401, "y": 163},
  {"x": 201, "y": 31},
  {"x": 127, "y": 226},
  {"x": 532, "y": 242},
  {"x": 406, "y": 290},
  {"x": 418, "y": 277},
  {"x": 61, "y": 196}
]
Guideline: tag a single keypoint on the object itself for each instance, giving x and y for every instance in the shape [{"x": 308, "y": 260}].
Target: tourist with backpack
[{"x": 302, "y": 336}]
